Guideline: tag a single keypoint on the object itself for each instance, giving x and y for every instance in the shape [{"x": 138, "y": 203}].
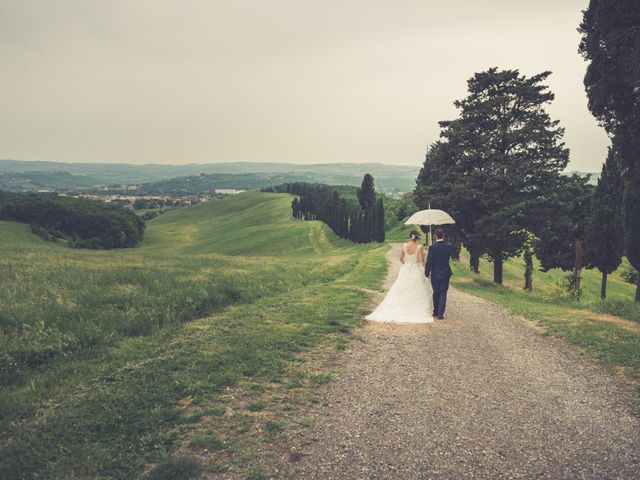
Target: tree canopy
[
  {"x": 89, "y": 223},
  {"x": 367, "y": 193},
  {"x": 346, "y": 219},
  {"x": 605, "y": 235},
  {"x": 495, "y": 162},
  {"x": 611, "y": 44}
]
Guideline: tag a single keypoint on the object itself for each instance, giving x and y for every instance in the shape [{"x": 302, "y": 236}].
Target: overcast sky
[{"x": 304, "y": 81}]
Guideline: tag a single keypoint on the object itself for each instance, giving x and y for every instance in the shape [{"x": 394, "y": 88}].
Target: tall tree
[
  {"x": 442, "y": 184},
  {"x": 611, "y": 44},
  {"x": 367, "y": 193},
  {"x": 632, "y": 226},
  {"x": 295, "y": 206},
  {"x": 498, "y": 158},
  {"x": 379, "y": 221},
  {"x": 560, "y": 222},
  {"x": 605, "y": 236}
]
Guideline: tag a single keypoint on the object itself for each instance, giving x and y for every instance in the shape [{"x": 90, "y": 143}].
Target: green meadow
[
  {"x": 110, "y": 358},
  {"x": 196, "y": 352}
]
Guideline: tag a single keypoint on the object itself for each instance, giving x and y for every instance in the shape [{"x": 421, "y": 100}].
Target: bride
[{"x": 409, "y": 300}]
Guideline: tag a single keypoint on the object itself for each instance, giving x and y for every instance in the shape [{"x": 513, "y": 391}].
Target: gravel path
[{"x": 480, "y": 395}]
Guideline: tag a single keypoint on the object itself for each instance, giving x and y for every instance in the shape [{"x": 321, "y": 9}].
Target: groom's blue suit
[{"x": 438, "y": 268}]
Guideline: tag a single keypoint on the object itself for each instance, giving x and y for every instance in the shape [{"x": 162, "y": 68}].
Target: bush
[
  {"x": 571, "y": 287},
  {"x": 630, "y": 275},
  {"x": 92, "y": 224},
  {"x": 150, "y": 215}
]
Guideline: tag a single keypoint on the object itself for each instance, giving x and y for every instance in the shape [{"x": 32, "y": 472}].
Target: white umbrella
[{"x": 431, "y": 216}]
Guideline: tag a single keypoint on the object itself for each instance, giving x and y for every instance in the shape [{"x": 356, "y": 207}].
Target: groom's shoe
[{"x": 440, "y": 317}]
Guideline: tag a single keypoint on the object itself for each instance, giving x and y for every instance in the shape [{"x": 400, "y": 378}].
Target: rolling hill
[
  {"x": 242, "y": 175},
  {"x": 201, "y": 342},
  {"x": 100, "y": 350}
]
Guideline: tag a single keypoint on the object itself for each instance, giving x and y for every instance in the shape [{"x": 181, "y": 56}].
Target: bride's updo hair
[{"x": 414, "y": 235}]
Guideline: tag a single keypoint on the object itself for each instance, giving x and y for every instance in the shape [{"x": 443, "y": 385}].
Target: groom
[{"x": 437, "y": 267}]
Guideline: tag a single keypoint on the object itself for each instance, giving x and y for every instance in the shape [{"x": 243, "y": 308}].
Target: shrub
[
  {"x": 630, "y": 275},
  {"x": 571, "y": 287},
  {"x": 94, "y": 224}
]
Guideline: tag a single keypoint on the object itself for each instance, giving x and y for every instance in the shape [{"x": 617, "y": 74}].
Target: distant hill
[
  {"x": 200, "y": 184},
  {"x": 37, "y": 175},
  {"x": 388, "y": 177},
  {"x": 34, "y": 181}
]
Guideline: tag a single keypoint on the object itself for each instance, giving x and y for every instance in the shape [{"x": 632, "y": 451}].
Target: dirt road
[{"x": 480, "y": 395}]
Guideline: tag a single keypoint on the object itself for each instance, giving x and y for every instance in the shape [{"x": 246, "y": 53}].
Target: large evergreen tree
[
  {"x": 605, "y": 236},
  {"x": 611, "y": 43},
  {"x": 496, "y": 160},
  {"x": 560, "y": 222},
  {"x": 367, "y": 193},
  {"x": 632, "y": 225},
  {"x": 443, "y": 184}
]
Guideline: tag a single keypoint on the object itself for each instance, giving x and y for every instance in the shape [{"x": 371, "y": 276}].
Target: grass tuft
[
  {"x": 210, "y": 442},
  {"x": 256, "y": 473},
  {"x": 182, "y": 468}
]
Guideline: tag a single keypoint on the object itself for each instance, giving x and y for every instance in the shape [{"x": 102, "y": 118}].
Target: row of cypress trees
[
  {"x": 360, "y": 223},
  {"x": 610, "y": 44}
]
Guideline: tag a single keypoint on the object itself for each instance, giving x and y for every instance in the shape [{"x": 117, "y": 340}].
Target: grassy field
[
  {"x": 116, "y": 364},
  {"x": 195, "y": 352},
  {"x": 608, "y": 331}
]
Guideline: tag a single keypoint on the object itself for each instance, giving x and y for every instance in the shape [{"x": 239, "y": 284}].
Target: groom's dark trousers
[
  {"x": 440, "y": 289},
  {"x": 437, "y": 267}
]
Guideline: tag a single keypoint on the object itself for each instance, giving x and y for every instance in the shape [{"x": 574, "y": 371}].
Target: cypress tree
[
  {"x": 632, "y": 224},
  {"x": 561, "y": 223},
  {"x": 367, "y": 193},
  {"x": 295, "y": 206},
  {"x": 605, "y": 236},
  {"x": 610, "y": 42},
  {"x": 344, "y": 219},
  {"x": 379, "y": 229},
  {"x": 368, "y": 225}
]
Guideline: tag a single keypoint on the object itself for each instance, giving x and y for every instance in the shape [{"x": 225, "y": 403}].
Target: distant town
[{"x": 126, "y": 196}]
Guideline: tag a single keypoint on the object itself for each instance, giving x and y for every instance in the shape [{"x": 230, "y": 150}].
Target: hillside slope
[
  {"x": 113, "y": 356},
  {"x": 251, "y": 223}
]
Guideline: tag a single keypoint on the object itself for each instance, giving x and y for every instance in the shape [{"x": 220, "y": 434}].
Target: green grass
[
  {"x": 176, "y": 469},
  {"x": 400, "y": 233},
  {"x": 115, "y": 357},
  {"x": 608, "y": 331}
]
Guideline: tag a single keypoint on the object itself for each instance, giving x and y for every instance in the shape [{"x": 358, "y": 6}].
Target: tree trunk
[
  {"x": 577, "y": 266},
  {"x": 528, "y": 275},
  {"x": 474, "y": 261},
  {"x": 497, "y": 268},
  {"x": 638, "y": 290},
  {"x": 455, "y": 255},
  {"x": 603, "y": 288}
]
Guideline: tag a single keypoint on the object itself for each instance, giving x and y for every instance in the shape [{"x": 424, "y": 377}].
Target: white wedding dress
[{"x": 410, "y": 298}]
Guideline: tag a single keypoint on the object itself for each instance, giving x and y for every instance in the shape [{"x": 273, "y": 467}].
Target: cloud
[{"x": 284, "y": 80}]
